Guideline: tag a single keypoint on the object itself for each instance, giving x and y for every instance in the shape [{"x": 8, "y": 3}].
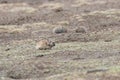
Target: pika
[{"x": 45, "y": 44}]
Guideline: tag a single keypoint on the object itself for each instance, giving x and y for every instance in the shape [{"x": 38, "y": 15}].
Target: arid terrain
[{"x": 93, "y": 55}]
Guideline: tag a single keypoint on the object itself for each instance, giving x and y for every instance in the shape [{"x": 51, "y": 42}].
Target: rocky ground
[{"x": 93, "y": 55}]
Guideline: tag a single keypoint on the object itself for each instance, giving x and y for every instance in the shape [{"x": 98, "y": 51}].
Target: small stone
[
  {"x": 78, "y": 58},
  {"x": 97, "y": 70},
  {"x": 46, "y": 71},
  {"x": 58, "y": 10},
  {"x": 59, "y": 30},
  {"x": 108, "y": 40},
  {"x": 81, "y": 30},
  {"x": 40, "y": 55}
]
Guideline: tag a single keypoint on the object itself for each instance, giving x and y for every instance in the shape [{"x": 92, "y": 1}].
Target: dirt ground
[{"x": 94, "y": 55}]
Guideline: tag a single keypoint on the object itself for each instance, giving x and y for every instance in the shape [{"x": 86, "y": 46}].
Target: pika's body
[{"x": 44, "y": 45}]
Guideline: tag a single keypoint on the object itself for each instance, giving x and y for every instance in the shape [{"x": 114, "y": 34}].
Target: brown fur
[{"x": 44, "y": 44}]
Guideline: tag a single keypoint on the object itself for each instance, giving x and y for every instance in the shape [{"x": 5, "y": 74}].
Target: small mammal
[{"x": 44, "y": 44}]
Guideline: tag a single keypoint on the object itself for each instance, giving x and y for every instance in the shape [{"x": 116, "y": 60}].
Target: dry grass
[
  {"x": 38, "y": 25},
  {"x": 11, "y": 29},
  {"x": 18, "y": 7},
  {"x": 79, "y": 3},
  {"x": 51, "y": 5},
  {"x": 63, "y": 23}
]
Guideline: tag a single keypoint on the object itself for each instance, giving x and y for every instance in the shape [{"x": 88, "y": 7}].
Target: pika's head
[{"x": 51, "y": 44}]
